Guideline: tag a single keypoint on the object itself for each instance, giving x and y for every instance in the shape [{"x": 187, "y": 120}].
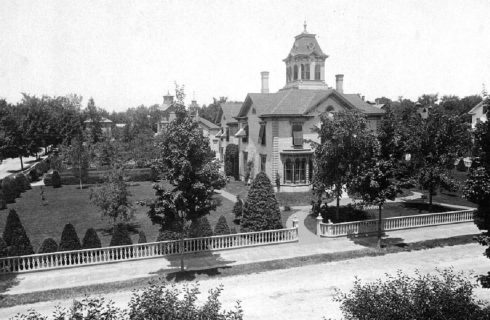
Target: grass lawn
[{"x": 68, "y": 204}]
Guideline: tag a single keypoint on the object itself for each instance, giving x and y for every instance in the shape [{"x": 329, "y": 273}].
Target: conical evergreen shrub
[
  {"x": 56, "y": 179},
  {"x": 261, "y": 210},
  {"x": 91, "y": 240},
  {"x": 237, "y": 208},
  {"x": 49, "y": 245},
  {"x": 200, "y": 228},
  {"x": 69, "y": 239},
  {"x": 4, "y": 250},
  {"x": 15, "y": 235},
  {"x": 221, "y": 227},
  {"x": 141, "y": 237},
  {"x": 120, "y": 236}
]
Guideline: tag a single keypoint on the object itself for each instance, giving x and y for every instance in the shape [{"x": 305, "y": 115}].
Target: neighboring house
[
  {"x": 228, "y": 125},
  {"x": 105, "y": 124},
  {"x": 274, "y": 127},
  {"x": 209, "y": 129},
  {"x": 478, "y": 114}
]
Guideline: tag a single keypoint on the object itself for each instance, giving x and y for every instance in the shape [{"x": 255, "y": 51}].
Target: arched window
[
  {"x": 303, "y": 71},
  {"x": 295, "y": 76},
  {"x": 288, "y": 74},
  {"x": 307, "y": 72},
  {"x": 317, "y": 72}
]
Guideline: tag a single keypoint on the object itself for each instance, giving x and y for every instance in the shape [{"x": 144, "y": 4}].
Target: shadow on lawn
[
  {"x": 7, "y": 281},
  {"x": 371, "y": 241},
  {"x": 205, "y": 263}
]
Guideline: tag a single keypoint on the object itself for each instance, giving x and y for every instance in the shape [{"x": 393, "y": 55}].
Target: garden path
[{"x": 227, "y": 195}]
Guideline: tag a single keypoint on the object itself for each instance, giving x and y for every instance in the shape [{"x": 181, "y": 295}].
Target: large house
[
  {"x": 478, "y": 114},
  {"x": 273, "y": 128}
]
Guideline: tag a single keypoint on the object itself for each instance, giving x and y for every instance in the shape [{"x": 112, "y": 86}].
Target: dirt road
[{"x": 306, "y": 292}]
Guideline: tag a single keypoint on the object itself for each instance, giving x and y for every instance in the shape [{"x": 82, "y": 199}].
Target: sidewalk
[{"x": 90, "y": 275}]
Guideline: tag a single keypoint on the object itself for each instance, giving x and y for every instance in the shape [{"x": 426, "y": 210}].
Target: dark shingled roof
[
  {"x": 306, "y": 44},
  {"x": 208, "y": 123},
  {"x": 229, "y": 110},
  {"x": 300, "y": 102}
]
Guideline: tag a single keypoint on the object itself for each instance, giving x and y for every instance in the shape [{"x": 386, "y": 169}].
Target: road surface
[{"x": 306, "y": 292}]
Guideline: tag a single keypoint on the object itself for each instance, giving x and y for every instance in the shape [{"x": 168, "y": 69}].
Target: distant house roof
[
  {"x": 228, "y": 111},
  {"x": 473, "y": 110},
  {"x": 103, "y": 119},
  {"x": 120, "y": 125},
  {"x": 208, "y": 123},
  {"x": 300, "y": 102}
]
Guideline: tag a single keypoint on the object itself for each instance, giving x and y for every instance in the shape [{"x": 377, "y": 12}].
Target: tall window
[
  {"x": 262, "y": 134},
  {"x": 295, "y": 72},
  {"x": 263, "y": 159},
  {"x": 288, "y": 74},
  {"x": 307, "y": 72},
  {"x": 317, "y": 72},
  {"x": 297, "y": 133},
  {"x": 302, "y": 71},
  {"x": 227, "y": 134},
  {"x": 297, "y": 169}
]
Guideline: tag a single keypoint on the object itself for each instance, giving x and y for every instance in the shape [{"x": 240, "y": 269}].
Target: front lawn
[{"x": 68, "y": 204}]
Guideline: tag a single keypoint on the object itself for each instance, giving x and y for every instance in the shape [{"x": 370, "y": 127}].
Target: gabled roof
[
  {"x": 473, "y": 110},
  {"x": 300, "y": 102},
  {"x": 208, "y": 123},
  {"x": 229, "y": 110}
]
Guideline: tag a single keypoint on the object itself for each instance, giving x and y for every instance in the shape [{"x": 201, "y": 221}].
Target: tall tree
[
  {"x": 94, "y": 117},
  {"x": 344, "y": 141},
  {"x": 191, "y": 170}
]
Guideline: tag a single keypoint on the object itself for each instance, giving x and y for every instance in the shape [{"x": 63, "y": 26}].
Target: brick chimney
[
  {"x": 339, "y": 83},
  {"x": 265, "y": 82}
]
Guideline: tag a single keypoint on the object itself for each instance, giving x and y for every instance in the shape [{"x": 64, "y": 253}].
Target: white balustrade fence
[
  {"x": 63, "y": 259},
  {"x": 396, "y": 223}
]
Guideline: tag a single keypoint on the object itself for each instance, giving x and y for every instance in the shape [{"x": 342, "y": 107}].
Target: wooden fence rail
[
  {"x": 396, "y": 223},
  {"x": 63, "y": 259}
]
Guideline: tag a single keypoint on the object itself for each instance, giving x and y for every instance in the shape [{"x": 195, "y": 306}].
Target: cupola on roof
[{"x": 305, "y": 44}]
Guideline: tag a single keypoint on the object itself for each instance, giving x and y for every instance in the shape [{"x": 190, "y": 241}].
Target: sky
[{"x": 128, "y": 53}]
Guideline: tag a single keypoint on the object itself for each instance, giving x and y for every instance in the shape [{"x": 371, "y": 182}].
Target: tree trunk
[
  {"x": 430, "y": 200},
  {"x": 21, "y": 164},
  {"x": 80, "y": 172},
  {"x": 379, "y": 227},
  {"x": 337, "y": 215},
  {"x": 181, "y": 249}
]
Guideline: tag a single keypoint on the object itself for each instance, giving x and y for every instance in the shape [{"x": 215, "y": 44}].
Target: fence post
[{"x": 319, "y": 220}]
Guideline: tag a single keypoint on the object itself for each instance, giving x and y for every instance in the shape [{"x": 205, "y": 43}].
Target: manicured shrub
[
  {"x": 238, "y": 208},
  {"x": 261, "y": 210},
  {"x": 120, "y": 235},
  {"x": 153, "y": 174},
  {"x": 221, "y": 227},
  {"x": 33, "y": 175},
  {"x": 141, "y": 237},
  {"x": 15, "y": 236},
  {"x": 231, "y": 161},
  {"x": 167, "y": 235},
  {"x": 69, "y": 239},
  {"x": 3, "y": 203},
  {"x": 4, "y": 250},
  {"x": 48, "y": 179},
  {"x": 9, "y": 190},
  {"x": 233, "y": 230},
  {"x": 21, "y": 179},
  {"x": 56, "y": 179},
  {"x": 461, "y": 167},
  {"x": 91, "y": 239},
  {"x": 48, "y": 245},
  {"x": 200, "y": 228}
]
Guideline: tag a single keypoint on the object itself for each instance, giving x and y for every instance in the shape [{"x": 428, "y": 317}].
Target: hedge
[
  {"x": 97, "y": 176},
  {"x": 9, "y": 190}
]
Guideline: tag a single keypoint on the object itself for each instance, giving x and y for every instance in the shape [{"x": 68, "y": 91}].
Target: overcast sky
[{"x": 127, "y": 53}]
